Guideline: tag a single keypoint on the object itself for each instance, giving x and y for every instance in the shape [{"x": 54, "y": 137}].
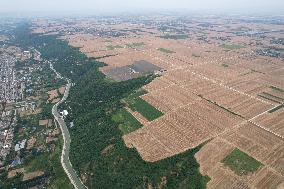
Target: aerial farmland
[{"x": 218, "y": 82}]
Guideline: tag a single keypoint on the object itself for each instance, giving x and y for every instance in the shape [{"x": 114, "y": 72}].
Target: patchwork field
[
  {"x": 180, "y": 130},
  {"x": 265, "y": 148},
  {"x": 221, "y": 85},
  {"x": 128, "y": 123}
]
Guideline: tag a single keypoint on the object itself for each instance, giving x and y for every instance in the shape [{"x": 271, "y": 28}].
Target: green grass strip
[
  {"x": 165, "y": 50},
  {"x": 277, "y": 89},
  {"x": 232, "y": 46},
  {"x": 276, "y": 108},
  {"x": 146, "y": 109},
  {"x": 128, "y": 123}
]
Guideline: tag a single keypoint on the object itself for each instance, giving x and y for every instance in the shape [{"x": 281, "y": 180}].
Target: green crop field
[
  {"x": 112, "y": 47},
  {"x": 276, "y": 108},
  {"x": 165, "y": 50},
  {"x": 146, "y": 109},
  {"x": 135, "y": 44},
  {"x": 137, "y": 93},
  {"x": 127, "y": 123},
  {"x": 195, "y": 55},
  {"x": 133, "y": 96},
  {"x": 273, "y": 96},
  {"x": 277, "y": 89},
  {"x": 232, "y": 46},
  {"x": 267, "y": 98},
  {"x": 241, "y": 163},
  {"x": 225, "y": 65}
]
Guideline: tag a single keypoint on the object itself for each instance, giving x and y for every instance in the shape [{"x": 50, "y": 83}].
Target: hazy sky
[{"x": 246, "y": 6}]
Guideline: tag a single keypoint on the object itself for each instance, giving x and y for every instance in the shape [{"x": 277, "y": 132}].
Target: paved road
[{"x": 66, "y": 164}]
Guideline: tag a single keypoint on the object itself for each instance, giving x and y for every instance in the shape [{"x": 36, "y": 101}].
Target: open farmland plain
[{"x": 219, "y": 82}]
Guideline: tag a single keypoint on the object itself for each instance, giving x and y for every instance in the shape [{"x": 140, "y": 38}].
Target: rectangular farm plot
[
  {"x": 147, "y": 145},
  {"x": 137, "y": 94},
  {"x": 248, "y": 85},
  {"x": 219, "y": 72},
  {"x": 180, "y": 76},
  {"x": 112, "y": 47},
  {"x": 170, "y": 98},
  {"x": 273, "y": 120},
  {"x": 241, "y": 163},
  {"x": 127, "y": 122},
  {"x": 232, "y": 46},
  {"x": 145, "y": 109},
  {"x": 275, "y": 159},
  {"x": 135, "y": 44},
  {"x": 165, "y": 50},
  {"x": 214, "y": 116}
]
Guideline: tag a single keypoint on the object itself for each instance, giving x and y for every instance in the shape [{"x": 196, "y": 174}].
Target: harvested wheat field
[
  {"x": 273, "y": 120},
  {"x": 180, "y": 130}
]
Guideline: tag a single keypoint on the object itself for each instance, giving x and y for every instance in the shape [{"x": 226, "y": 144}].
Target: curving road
[{"x": 65, "y": 162}]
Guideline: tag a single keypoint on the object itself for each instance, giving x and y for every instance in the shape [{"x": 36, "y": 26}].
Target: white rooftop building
[
  {"x": 20, "y": 145},
  {"x": 65, "y": 113}
]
